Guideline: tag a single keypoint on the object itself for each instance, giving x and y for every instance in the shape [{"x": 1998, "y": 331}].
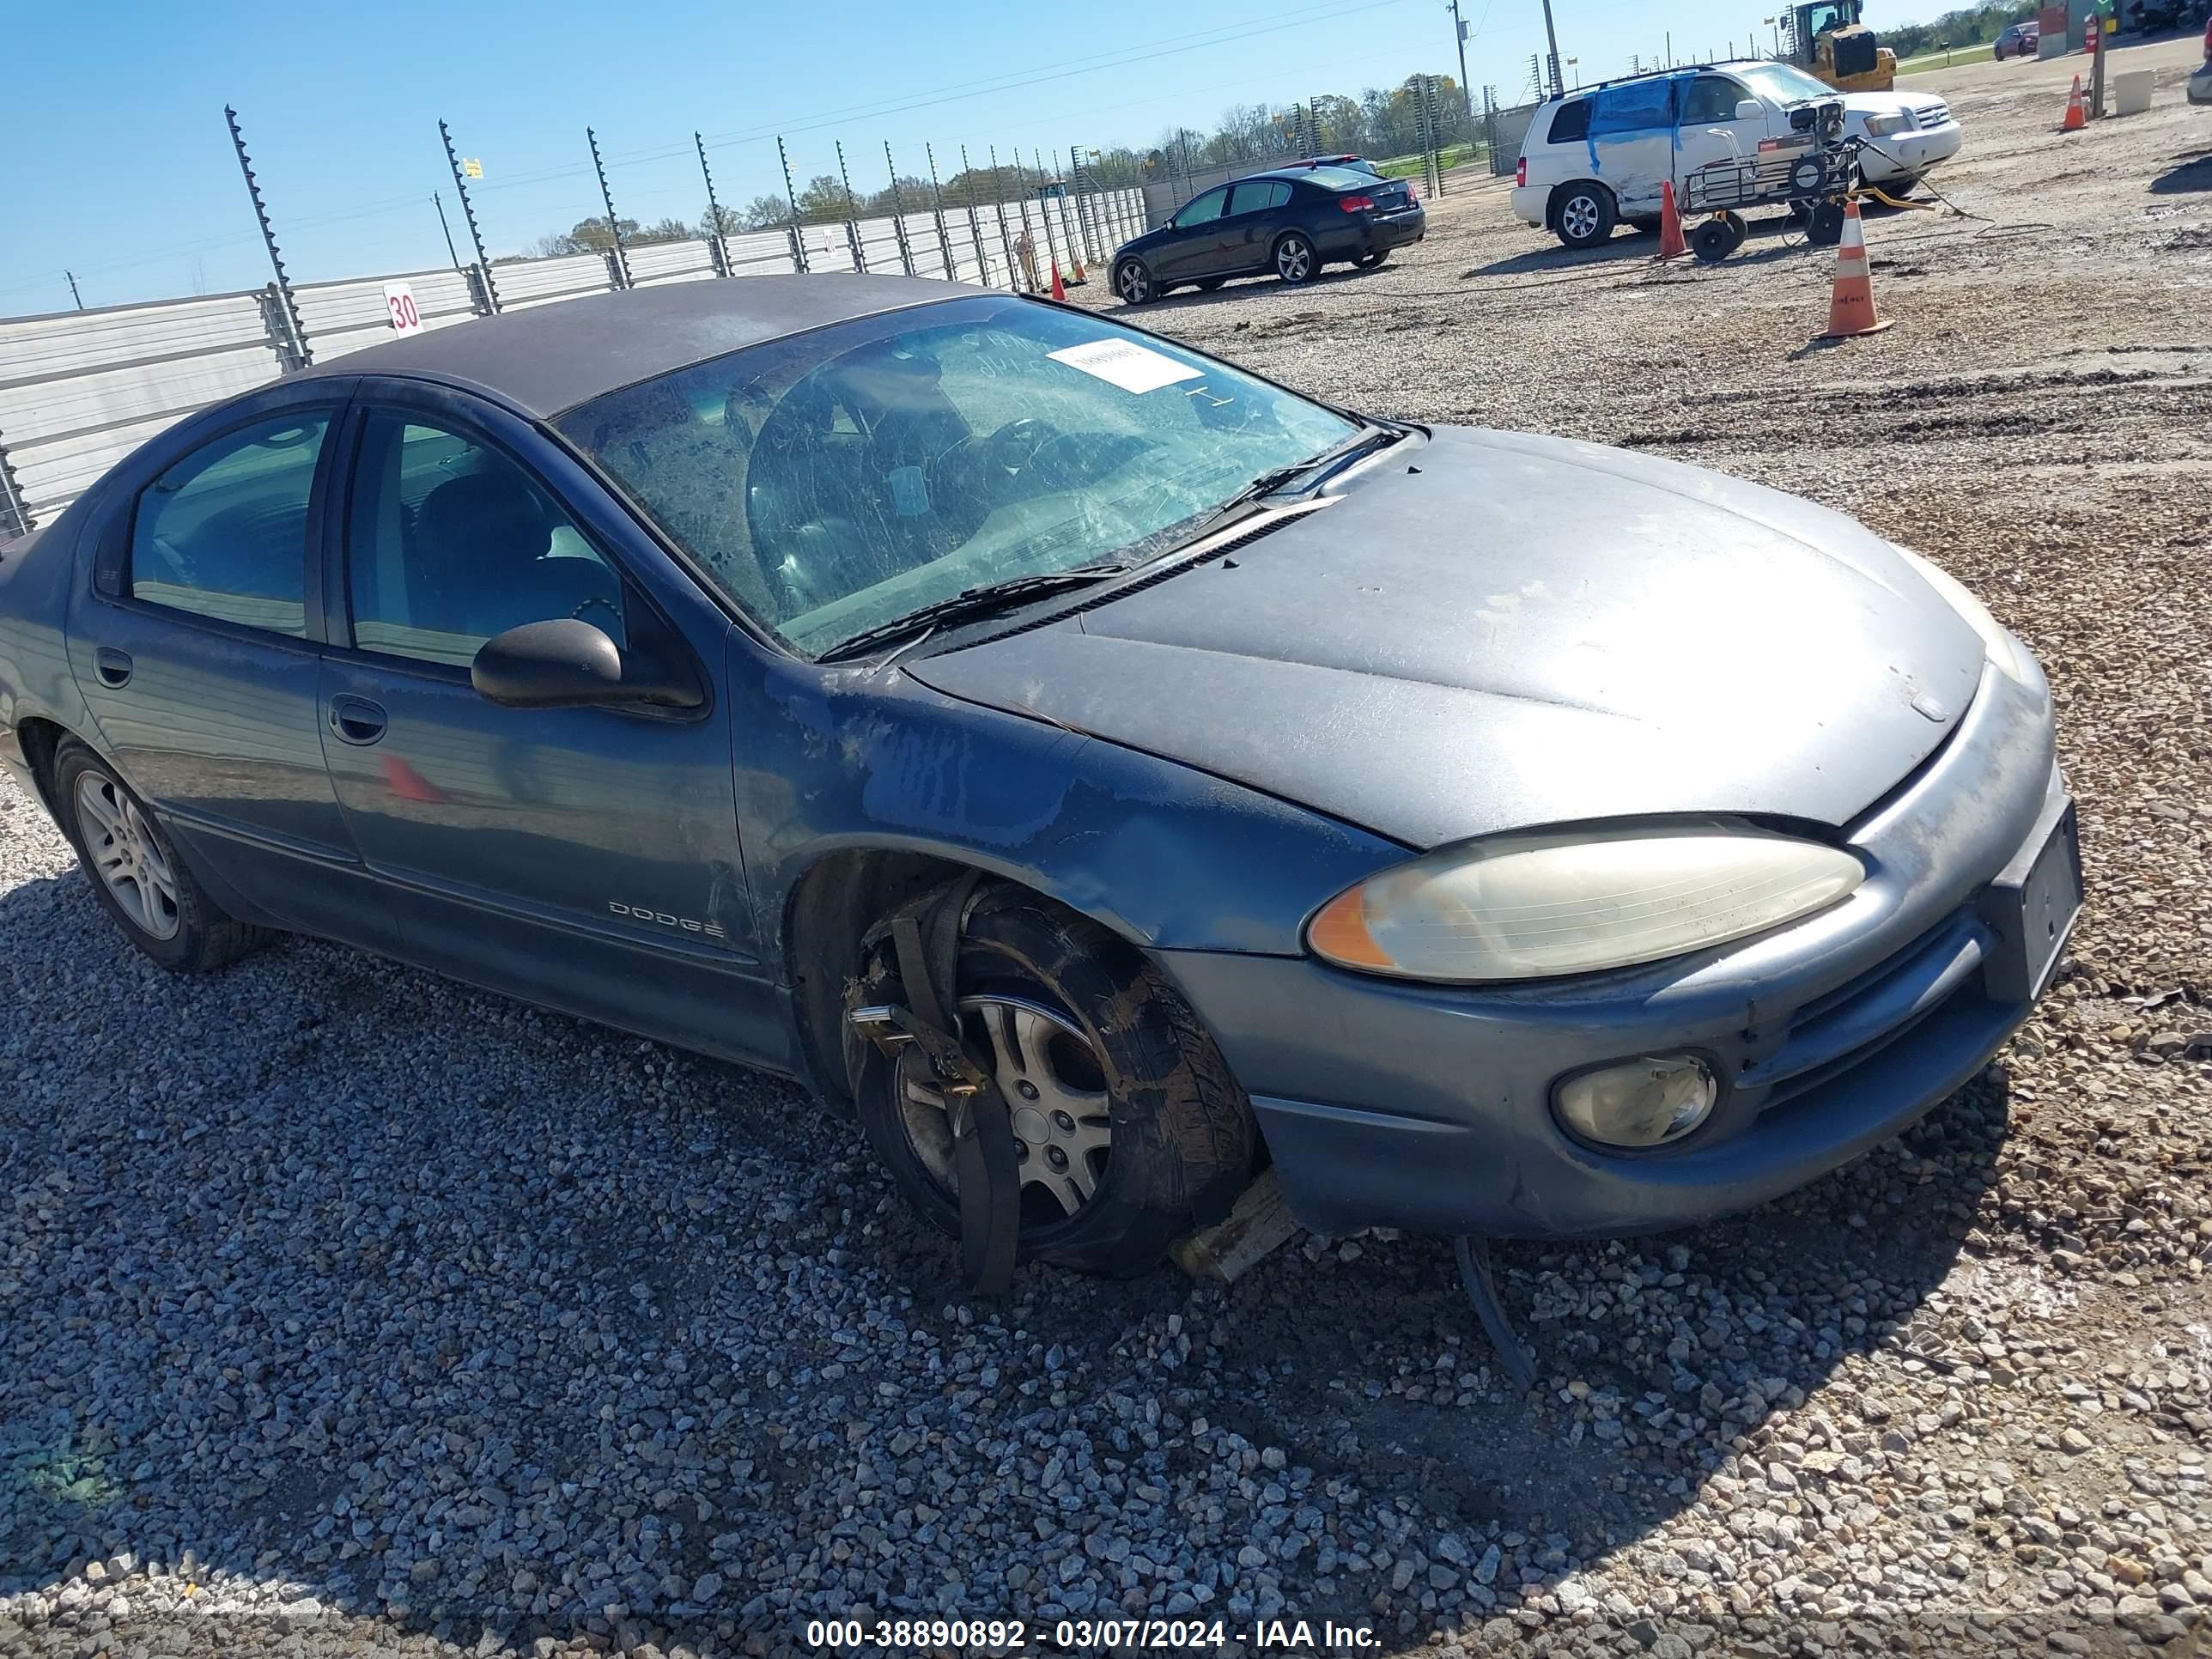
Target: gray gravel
[{"x": 346, "y": 1310}]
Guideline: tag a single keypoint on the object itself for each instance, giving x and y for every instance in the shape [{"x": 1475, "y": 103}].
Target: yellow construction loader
[{"x": 1827, "y": 40}]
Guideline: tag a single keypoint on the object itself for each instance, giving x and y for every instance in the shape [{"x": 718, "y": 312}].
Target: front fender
[{"x": 1170, "y": 858}]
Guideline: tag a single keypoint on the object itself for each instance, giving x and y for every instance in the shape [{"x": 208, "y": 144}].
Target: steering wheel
[{"x": 1014, "y": 445}]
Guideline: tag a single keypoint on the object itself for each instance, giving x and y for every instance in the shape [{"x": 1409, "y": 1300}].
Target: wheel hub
[
  {"x": 130, "y": 865},
  {"x": 1049, "y": 1073}
]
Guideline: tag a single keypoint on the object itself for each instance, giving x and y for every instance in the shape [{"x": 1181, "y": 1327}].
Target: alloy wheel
[
  {"x": 1578, "y": 218},
  {"x": 1055, "y": 1090},
  {"x": 1133, "y": 283},
  {"x": 125, "y": 855},
  {"x": 1294, "y": 260}
]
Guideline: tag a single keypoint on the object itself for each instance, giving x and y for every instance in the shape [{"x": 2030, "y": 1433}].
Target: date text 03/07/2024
[{"x": 1286, "y": 1636}]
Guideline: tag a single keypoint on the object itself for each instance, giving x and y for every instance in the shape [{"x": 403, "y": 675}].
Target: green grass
[{"x": 1411, "y": 166}]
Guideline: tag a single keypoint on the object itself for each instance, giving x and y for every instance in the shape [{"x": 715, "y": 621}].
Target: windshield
[
  {"x": 834, "y": 481},
  {"x": 1780, "y": 82}
]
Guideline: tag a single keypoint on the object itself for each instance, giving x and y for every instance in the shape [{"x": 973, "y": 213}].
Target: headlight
[
  {"x": 1880, "y": 126},
  {"x": 1523, "y": 906},
  {"x": 2006, "y": 652}
]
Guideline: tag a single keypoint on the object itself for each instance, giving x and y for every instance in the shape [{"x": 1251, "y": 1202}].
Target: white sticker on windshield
[{"x": 1125, "y": 364}]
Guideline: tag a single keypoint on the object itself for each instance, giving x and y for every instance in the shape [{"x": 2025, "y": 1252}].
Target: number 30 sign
[{"x": 399, "y": 300}]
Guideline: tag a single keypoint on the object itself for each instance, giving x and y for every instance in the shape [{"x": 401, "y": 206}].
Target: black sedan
[{"x": 1291, "y": 221}]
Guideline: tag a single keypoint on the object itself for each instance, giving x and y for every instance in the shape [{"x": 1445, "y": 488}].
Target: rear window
[
  {"x": 1341, "y": 179},
  {"x": 1571, "y": 123}
]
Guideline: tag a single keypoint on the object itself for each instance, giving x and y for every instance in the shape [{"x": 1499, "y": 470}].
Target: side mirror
[
  {"x": 567, "y": 664},
  {"x": 1750, "y": 109}
]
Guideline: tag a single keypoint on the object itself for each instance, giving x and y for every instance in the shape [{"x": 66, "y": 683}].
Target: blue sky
[{"x": 122, "y": 171}]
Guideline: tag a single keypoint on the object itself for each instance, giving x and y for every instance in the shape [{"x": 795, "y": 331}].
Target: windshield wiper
[
  {"x": 1322, "y": 467},
  {"x": 970, "y": 603}
]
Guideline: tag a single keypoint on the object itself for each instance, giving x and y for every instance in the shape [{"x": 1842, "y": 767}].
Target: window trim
[
  {"x": 111, "y": 583},
  {"x": 337, "y": 561}
]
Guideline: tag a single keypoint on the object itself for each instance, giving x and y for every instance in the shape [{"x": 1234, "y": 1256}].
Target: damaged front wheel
[{"x": 1129, "y": 1129}]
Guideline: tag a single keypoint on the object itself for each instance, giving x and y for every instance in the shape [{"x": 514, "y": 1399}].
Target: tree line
[
  {"x": 1969, "y": 25},
  {"x": 1381, "y": 123}
]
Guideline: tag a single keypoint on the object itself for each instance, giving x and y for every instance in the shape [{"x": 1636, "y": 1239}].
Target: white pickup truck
[{"x": 1599, "y": 154}]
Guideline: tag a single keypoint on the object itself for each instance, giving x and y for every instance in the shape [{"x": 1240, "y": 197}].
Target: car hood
[
  {"x": 1857, "y": 106},
  {"x": 1496, "y": 631}
]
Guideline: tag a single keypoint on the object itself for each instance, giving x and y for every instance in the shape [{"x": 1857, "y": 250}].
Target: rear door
[
  {"x": 196, "y": 646},
  {"x": 1630, "y": 143},
  {"x": 585, "y": 858},
  {"x": 1255, "y": 213}
]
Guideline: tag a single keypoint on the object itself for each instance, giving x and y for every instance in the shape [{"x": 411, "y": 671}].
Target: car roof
[
  {"x": 548, "y": 359},
  {"x": 1660, "y": 73}
]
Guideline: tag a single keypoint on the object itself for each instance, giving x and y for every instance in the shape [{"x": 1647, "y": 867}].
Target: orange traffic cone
[
  {"x": 1851, "y": 303},
  {"x": 2077, "y": 116},
  {"x": 1075, "y": 276},
  {"x": 1671, "y": 244},
  {"x": 1058, "y": 288}
]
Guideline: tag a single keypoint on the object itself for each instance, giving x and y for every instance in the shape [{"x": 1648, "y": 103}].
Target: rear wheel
[
  {"x": 1134, "y": 283},
  {"x": 1129, "y": 1128},
  {"x": 1296, "y": 261},
  {"x": 135, "y": 873},
  {"x": 1583, "y": 215}
]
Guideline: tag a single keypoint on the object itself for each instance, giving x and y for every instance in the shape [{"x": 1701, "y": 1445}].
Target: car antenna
[{"x": 1473, "y": 1255}]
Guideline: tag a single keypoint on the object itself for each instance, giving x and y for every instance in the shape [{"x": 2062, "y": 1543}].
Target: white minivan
[{"x": 1598, "y": 155}]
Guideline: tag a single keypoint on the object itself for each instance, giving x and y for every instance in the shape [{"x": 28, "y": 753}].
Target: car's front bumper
[
  {"x": 1912, "y": 153},
  {"x": 1424, "y": 1107}
]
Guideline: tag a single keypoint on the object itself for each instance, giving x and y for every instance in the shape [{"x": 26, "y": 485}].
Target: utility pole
[
  {"x": 1458, "y": 33},
  {"x": 438, "y": 202},
  {"x": 1552, "y": 42}
]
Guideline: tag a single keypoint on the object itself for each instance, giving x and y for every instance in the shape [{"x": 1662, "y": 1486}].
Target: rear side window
[
  {"x": 1571, "y": 123},
  {"x": 1257, "y": 195},
  {"x": 1636, "y": 106},
  {"x": 224, "y": 533}
]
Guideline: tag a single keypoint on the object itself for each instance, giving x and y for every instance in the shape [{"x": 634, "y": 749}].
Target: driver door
[
  {"x": 1709, "y": 130},
  {"x": 582, "y": 857},
  {"x": 1195, "y": 252}
]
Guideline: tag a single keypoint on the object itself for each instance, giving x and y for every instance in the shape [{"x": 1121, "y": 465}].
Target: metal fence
[{"x": 79, "y": 390}]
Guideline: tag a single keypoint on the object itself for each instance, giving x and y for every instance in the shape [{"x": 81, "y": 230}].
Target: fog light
[{"x": 1645, "y": 1102}]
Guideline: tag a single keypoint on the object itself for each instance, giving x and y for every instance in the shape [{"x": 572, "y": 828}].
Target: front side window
[
  {"x": 1712, "y": 99},
  {"x": 450, "y": 541},
  {"x": 1634, "y": 107},
  {"x": 224, "y": 533},
  {"x": 839, "y": 479},
  {"x": 1204, "y": 210}
]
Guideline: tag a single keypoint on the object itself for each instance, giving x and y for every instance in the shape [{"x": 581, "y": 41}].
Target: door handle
[
  {"x": 356, "y": 719},
  {"x": 112, "y": 666}
]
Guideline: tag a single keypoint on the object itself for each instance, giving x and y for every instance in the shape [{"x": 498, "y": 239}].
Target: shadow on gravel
[
  {"x": 1244, "y": 288},
  {"x": 405, "y": 1304},
  {"x": 2191, "y": 173}
]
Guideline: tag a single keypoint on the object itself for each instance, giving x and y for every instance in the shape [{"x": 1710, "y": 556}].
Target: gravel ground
[{"x": 348, "y": 1311}]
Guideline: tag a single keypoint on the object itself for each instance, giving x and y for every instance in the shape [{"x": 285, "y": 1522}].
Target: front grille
[
  {"x": 1833, "y": 1033},
  {"x": 1932, "y": 115}
]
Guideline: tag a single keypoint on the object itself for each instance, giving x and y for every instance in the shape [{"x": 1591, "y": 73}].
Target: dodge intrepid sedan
[{"x": 1500, "y": 835}]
